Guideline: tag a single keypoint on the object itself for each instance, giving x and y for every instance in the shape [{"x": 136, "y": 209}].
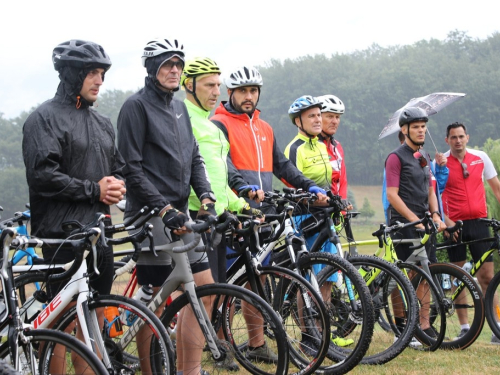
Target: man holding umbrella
[{"x": 409, "y": 189}]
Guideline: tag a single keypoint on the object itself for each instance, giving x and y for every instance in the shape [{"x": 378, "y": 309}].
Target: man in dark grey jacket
[{"x": 163, "y": 161}]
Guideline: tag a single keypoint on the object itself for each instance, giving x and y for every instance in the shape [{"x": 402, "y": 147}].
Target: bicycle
[
  {"x": 223, "y": 315},
  {"x": 441, "y": 302},
  {"x": 289, "y": 251},
  {"x": 119, "y": 351},
  {"x": 380, "y": 277},
  {"x": 492, "y": 309},
  {"x": 37, "y": 351}
]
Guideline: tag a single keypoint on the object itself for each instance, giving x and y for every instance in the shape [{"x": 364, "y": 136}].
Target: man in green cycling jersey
[
  {"x": 201, "y": 81},
  {"x": 310, "y": 156}
]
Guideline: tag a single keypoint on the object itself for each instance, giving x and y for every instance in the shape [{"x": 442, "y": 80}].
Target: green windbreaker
[{"x": 214, "y": 149}]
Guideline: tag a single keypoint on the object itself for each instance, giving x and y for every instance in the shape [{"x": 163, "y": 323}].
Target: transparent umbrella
[{"x": 431, "y": 103}]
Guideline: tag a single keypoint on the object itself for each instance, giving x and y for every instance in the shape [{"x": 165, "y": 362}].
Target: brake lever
[{"x": 152, "y": 243}]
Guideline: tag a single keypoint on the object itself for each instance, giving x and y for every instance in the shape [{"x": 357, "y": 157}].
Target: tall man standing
[
  {"x": 464, "y": 198},
  {"x": 156, "y": 139},
  {"x": 72, "y": 165},
  {"x": 410, "y": 192}
]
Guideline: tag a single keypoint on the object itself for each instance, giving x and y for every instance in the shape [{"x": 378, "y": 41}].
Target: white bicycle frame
[{"x": 76, "y": 285}]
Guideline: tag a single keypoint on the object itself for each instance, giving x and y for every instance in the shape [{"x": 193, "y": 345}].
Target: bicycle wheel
[
  {"x": 56, "y": 353},
  {"x": 234, "y": 332},
  {"x": 467, "y": 306},
  {"x": 349, "y": 306},
  {"x": 394, "y": 301},
  {"x": 129, "y": 350},
  {"x": 303, "y": 315},
  {"x": 492, "y": 306},
  {"x": 431, "y": 326},
  {"x": 6, "y": 369}
]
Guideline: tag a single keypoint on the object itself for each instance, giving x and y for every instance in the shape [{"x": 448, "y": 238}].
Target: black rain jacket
[
  {"x": 67, "y": 151},
  {"x": 163, "y": 160}
]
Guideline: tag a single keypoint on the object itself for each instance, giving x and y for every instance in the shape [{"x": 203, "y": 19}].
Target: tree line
[{"x": 373, "y": 83}]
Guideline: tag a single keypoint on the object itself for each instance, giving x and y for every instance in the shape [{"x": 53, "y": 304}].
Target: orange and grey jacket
[{"x": 254, "y": 152}]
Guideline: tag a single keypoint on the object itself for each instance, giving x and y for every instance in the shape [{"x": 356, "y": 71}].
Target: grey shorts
[{"x": 162, "y": 241}]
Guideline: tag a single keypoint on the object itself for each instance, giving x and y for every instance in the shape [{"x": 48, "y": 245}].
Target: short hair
[
  {"x": 454, "y": 126},
  {"x": 401, "y": 136}
]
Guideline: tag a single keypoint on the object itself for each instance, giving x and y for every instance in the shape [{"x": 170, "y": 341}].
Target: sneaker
[
  {"x": 414, "y": 343},
  {"x": 307, "y": 346},
  {"x": 227, "y": 364},
  {"x": 339, "y": 341},
  {"x": 262, "y": 354},
  {"x": 462, "y": 333},
  {"x": 494, "y": 340}
]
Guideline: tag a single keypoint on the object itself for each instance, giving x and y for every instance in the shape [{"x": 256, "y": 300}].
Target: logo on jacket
[
  {"x": 263, "y": 138},
  {"x": 178, "y": 116}
]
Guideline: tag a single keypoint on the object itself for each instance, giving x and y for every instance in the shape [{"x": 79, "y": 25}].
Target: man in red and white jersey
[{"x": 464, "y": 198}]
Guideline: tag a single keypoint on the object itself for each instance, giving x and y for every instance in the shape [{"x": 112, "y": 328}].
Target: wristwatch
[{"x": 210, "y": 195}]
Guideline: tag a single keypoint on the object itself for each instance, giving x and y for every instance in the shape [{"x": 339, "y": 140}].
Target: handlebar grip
[
  {"x": 189, "y": 246},
  {"x": 199, "y": 227},
  {"x": 458, "y": 225},
  {"x": 71, "y": 267},
  {"x": 126, "y": 268}
]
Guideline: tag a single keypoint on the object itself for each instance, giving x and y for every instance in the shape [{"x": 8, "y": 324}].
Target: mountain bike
[
  {"x": 439, "y": 300},
  {"x": 33, "y": 350},
  {"x": 492, "y": 308},
  {"x": 319, "y": 225}
]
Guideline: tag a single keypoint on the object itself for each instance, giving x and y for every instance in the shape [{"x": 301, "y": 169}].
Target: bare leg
[{"x": 189, "y": 350}]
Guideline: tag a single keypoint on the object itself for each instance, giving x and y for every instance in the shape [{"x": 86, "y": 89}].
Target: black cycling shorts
[{"x": 471, "y": 230}]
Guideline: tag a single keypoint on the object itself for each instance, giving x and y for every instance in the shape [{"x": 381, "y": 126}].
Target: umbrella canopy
[{"x": 431, "y": 103}]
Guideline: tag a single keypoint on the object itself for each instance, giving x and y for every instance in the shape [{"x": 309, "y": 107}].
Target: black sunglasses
[
  {"x": 421, "y": 159},
  {"x": 464, "y": 170}
]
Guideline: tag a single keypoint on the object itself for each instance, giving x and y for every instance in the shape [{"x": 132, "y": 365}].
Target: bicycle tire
[
  {"x": 474, "y": 304},
  {"x": 6, "y": 369},
  {"x": 233, "y": 326},
  {"x": 45, "y": 344},
  {"x": 123, "y": 357},
  {"x": 282, "y": 287},
  {"x": 492, "y": 309},
  {"x": 388, "y": 344},
  {"x": 431, "y": 308},
  {"x": 358, "y": 315}
]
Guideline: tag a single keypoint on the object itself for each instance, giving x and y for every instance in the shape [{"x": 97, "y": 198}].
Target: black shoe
[
  {"x": 431, "y": 332},
  {"x": 308, "y": 347}
]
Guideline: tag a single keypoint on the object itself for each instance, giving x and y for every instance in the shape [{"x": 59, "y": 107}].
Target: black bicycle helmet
[
  {"x": 80, "y": 54},
  {"x": 412, "y": 114}
]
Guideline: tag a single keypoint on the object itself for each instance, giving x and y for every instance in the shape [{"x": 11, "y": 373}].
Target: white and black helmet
[
  {"x": 243, "y": 76},
  {"x": 330, "y": 103},
  {"x": 160, "y": 46}
]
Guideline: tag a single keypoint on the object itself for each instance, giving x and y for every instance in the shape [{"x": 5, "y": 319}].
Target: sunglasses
[
  {"x": 169, "y": 64},
  {"x": 464, "y": 170},
  {"x": 422, "y": 161}
]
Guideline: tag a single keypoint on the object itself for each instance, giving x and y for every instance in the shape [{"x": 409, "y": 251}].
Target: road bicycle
[
  {"x": 116, "y": 344},
  {"x": 31, "y": 349},
  {"x": 217, "y": 308},
  {"x": 439, "y": 300}
]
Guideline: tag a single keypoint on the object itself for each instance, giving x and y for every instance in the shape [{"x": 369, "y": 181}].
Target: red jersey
[{"x": 464, "y": 198}]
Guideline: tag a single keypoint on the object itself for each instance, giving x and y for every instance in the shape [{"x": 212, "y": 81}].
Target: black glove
[
  {"x": 174, "y": 219},
  {"x": 247, "y": 210},
  {"x": 244, "y": 190},
  {"x": 206, "y": 210}
]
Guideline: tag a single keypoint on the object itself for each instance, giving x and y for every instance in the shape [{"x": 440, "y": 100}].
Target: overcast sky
[{"x": 232, "y": 33}]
